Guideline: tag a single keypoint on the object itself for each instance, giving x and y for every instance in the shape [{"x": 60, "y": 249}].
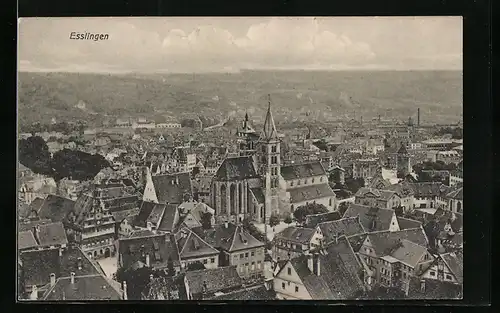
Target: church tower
[
  {"x": 269, "y": 163},
  {"x": 403, "y": 167}
]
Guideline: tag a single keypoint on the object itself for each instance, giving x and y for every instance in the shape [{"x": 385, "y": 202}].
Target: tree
[
  {"x": 206, "y": 220},
  {"x": 34, "y": 154},
  {"x": 312, "y": 208},
  {"x": 77, "y": 164},
  {"x": 354, "y": 184},
  {"x": 288, "y": 219},
  {"x": 399, "y": 211},
  {"x": 343, "y": 206},
  {"x": 137, "y": 280},
  {"x": 274, "y": 220}
]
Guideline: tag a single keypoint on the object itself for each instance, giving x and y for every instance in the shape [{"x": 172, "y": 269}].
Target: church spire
[{"x": 269, "y": 132}]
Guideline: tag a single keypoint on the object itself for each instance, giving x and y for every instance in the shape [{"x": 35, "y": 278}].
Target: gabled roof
[
  {"x": 343, "y": 227},
  {"x": 296, "y": 234},
  {"x": 313, "y": 220},
  {"x": 304, "y": 170},
  {"x": 215, "y": 280},
  {"x": 51, "y": 234},
  {"x": 309, "y": 193},
  {"x": 457, "y": 194},
  {"x": 36, "y": 205},
  {"x": 55, "y": 208},
  {"x": 406, "y": 223},
  {"x": 131, "y": 214},
  {"x": 89, "y": 287},
  {"x": 237, "y": 168},
  {"x": 428, "y": 189},
  {"x": 26, "y": 240},
  {"x": 192, "y": 246},
  {"x": 408, "y": 253},
  {"x": 372, "y": 219},
  {"x": 315, "y": 285},
  {"x": 258, "y": 194},
  {"x": 433, "y": 289},
  {"x": 159, "y": 247},
  {"x": 173, "y": 188},
  {"x": 39, "y": 264},
  {"x": 190, "y": 221},
  {"x": 168, "y": 219},
  {"x": 259, "y": 292},
  {"x": 455, "y": 262},
  {"x": 403, "y": 189},
  {"x": 384, "y": 242},
  {"x": 144, "y": 212}
]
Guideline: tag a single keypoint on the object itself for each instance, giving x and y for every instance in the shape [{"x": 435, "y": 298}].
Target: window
[
  {"x": 241, "y": 256},
  {"x": 448, "y": 277},
  {"x": 291, "y": 183},
  {"x": 205, "y": 261},
  {"x": 289, "y": 270},
  {"x": 296, "y": 288},
  {"x": 283, "y": 286},
  {"x": 253, "y": 253},
  {"x": 312, "y": 180},
  {"x": 263, "y": 148},
  {"x": 273, "y": 149},
  {"x": 432, "y": 273},
  {"x": 246, "y": 255},
  {"x": 298, "y": 183},
  {"x": 321, "y": 179},
  {"x": 288, "y": 283},
  {"x": 259, "y": 264}
]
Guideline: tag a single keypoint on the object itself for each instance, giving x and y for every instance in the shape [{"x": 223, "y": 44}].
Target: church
[{"x": 256, "y": 185}]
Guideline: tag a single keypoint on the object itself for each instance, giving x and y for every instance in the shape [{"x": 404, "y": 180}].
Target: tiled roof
[
  {"x": 156, "y": 214},
  {"x": 215, "y": 280},
  {"x": 36, "y": 205},
  {"x": 39, "y": 264},
  {"x": 173, "y": 188},
  {"x": 428, "y": 189},
  {"x": 189, "y": 221},
  {"x": 305, "y": 170},
  {"x": 408, "y": 252},
  {"x": 56, "y": 208},
  {"x": 343, "y": 227},
  {"x": 403, "y": 189},
  {"x": 315, "y": 285},
  {"x": 433, "y": 289},
  {"x": 89, "y": 287},
  {"x": 406, "y": 223},
  {"x": 254, "y": 293},
  {"x": 51, "y": 234},
  {"x": 238, "y": 168},
  {"x": 122, "y": 203},
  {"x": 144, "y": 212},
  {"x": 159, "y": 247},
  {"x": 372, "y": 219},
  {"x": 168, "y": 219},
  {"x": 385, "y": 242},
  {"x": 313, "y": 220},
  {"x": 192, "y": 246},
  {"x": 119, "y": 216},
  {"x": 340, "y": 269},
  {"x": 309, "y": 193},
  {"x": 455, "y": 262},
  {"x": 24, "y": 226},
  {"x": 201, "y": 208},
  {"x": 300, "y": 235},
  {"x": 26, "y": 240},
  {"x": 457, "y": 194},
  {"x": 259, "y": 195}
]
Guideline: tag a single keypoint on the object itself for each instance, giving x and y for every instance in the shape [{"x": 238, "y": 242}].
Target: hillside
[{"x": 303, "y": 95}]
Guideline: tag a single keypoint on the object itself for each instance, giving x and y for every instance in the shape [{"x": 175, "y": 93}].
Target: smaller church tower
[
  {"x": 269, "y": 162},
  {"x": 403, "y": 166}
]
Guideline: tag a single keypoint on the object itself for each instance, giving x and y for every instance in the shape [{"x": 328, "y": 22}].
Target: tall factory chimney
[{"x": 418, "y": 117}]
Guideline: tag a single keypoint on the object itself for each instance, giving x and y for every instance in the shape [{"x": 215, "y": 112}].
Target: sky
[{"x": 227, "y": 44}]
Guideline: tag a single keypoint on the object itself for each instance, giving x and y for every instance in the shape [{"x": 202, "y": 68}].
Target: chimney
[
  {"x": 34, "y": 293},
  {"x": 149, "y": 226},
  {"x": 310, "y": 263},
  {"x": 60, "y": 251},
  {"x": 125, "y": 296},
  {"x": 422, "y": 285},
  {"x": 52, "y": 279},
  {"x": 72, "y": 278},
  {"x": 226, "y": 224},
  {"x": 79, "y": 263},
  {"x": 147, "y": 260}
]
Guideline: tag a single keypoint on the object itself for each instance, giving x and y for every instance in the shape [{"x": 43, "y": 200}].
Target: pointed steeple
[
  {"x": 269, "y": 132},
  {"x": 246, "y": 116}
]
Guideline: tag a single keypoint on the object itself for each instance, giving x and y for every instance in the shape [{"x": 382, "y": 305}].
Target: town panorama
[{"x": 266, "y": 183}]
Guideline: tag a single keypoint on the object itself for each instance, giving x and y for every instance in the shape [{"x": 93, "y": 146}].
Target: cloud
[{"x": 316, "y": 43}]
